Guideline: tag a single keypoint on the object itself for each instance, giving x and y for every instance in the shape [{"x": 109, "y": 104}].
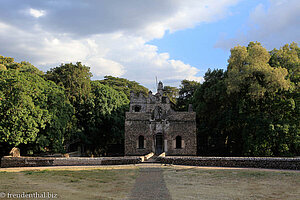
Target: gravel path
[{"x": 150, "y": 185}]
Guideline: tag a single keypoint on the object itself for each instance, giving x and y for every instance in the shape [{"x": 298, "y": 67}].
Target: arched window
[
  {"x": 141, "y": 142},
  {"x": 178, "y": 142}
]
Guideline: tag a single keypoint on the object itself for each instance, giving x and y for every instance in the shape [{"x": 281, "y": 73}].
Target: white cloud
[
  {"x": 36, "y": 13},
  {"x": 102, "y": 67},
  {"x": 109, "y": 36},
  {"x": 273, "y": 26}
]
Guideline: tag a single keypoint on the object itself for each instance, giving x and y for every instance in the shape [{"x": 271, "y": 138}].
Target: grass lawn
[
  {"x": 84, "y": 184},
  {"x": 182, "y": 182},
  {"x": 232, "y": 184}
]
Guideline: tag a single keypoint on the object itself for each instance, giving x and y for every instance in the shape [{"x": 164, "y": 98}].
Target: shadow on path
[{"x": 150, "y": 185}]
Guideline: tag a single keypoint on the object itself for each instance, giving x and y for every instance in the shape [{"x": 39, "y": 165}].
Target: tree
[
  {"x": 287, "y": 57},
  {"x": 210, "y": 101},
  {"x": 105, "y": 124},
  {"x": 186, "y": 91},
  {"x": 124, "y": 85},
  {"x": 287, "y": 104},
  {"x": 6, "y": 60},
  {"x": 264, "y": 107},
  {"x": 75, "y": 78},
  {"x": 32, "y": 111},
  {"x": 252, "y": 108},
  {"x": 172, "y": 93},
  {"x": 7, "y": 63},
  {"x": 249, "y": 72}
]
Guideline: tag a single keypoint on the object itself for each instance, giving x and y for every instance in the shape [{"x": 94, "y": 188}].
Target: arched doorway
[{"x": 159, "y": 144}]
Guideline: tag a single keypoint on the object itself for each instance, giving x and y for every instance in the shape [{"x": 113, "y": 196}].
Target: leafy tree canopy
[
  {"x": 287, "y": 57},
  {"x": 124, "y": 85},
  {"x": 75, "y": 78},
  {"x": 172, "y": 93},
  {"x": 249, "y": 71},
  {"x": 186, "y": 91},
  {"x": 7, "y": 63},
  {"x": 105, "y": 124},
  {"x": 32, "y": 111}
]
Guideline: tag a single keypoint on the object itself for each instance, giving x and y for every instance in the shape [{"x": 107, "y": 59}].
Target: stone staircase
[{"x": 152, "y": 158}]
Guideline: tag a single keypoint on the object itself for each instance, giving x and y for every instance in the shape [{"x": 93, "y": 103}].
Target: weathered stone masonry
[{"x": 152, "y": 125}]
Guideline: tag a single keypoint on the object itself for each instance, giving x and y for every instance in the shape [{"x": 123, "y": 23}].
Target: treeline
[
  {"x": 253, "y": 107},
  {"x": 53, "y": 111},
  {"x": 250, "y": 109}
]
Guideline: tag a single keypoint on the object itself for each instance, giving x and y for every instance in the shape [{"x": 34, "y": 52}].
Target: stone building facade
[{"x": 152, "y": 125}]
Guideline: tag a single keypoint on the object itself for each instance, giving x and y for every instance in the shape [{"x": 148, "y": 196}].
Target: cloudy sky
[{"x": 142, "y": 39}]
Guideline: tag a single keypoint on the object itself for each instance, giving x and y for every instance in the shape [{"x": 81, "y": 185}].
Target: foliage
[
  {"x": 209, "y": 102},
  {"x": 124, "y": 85},
  {"x": 287, "y": 57},
  {"x": 186, "y": 92},
  {"x": 172, "y": 93},
  {"x": 75, "y": 78},
  {"x": 9, "y": 63},
  {"x": 250, "y": 109},
  {"x": 105, "y": 124},
  {"x": 249, "y": 72},
  {"x": 32, "y": 111},
  {"x": 258, "y": 115},
  {"x": 2, "y": 67}
]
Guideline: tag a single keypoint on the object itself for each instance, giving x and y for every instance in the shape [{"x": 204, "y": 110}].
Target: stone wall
[
  {"x": 182, "y": 116},
  {"x": 184, "y": 125},
  {"x": 177, "y": 124},
  {"x": 134, "y": 129},
  {"x": 248, "y": 162},
  {"x": 8, "y": 161},
  {"x": 251, "y": 162},
  {"x": 138, "y": 116}
]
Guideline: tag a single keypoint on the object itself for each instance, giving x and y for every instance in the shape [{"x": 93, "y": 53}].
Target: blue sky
[
  {"x": 139, "y": 40},
  {"x": 196, "y": 46}
]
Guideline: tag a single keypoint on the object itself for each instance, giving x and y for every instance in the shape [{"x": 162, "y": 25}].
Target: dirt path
[
  {"x": 143, "y": 165},
  {"x": 150, "y": 185}
]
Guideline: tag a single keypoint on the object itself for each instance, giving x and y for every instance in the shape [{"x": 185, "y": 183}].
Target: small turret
[{"x": 160, "y": 88}]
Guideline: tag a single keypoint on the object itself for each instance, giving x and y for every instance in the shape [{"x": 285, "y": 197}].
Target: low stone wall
[
  {"x": 8, "y": 161},
  {"x": 251, "y": 162}
]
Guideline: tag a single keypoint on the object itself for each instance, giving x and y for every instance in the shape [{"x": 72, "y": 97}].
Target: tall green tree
[
  {"x": 9, "y": 63},
  {"x": 75, "y": 78},
  {"x": 33, "y": 111},
  {"x": 287, "y": 57},
  {"x": 249, "y": 72},
  {"x": 251, "y": 109},
  {"x": 214, "y": 118},
  {"x": 124, "y": 85},
  {"x": 186, "y": 92},
  {"x": 264, "y": 108},
  {"x": 105, "y": 123}
]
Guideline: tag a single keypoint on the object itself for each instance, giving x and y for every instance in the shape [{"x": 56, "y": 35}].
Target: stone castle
[{"x": 151, "y": 125}]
